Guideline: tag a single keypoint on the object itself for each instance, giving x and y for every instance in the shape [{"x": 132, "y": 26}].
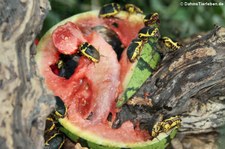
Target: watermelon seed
[
  {"x": 116, "y": 25},
  {"x": 111, "y": 38},
  {"x": 90, "y": 116},
  {"x": 109, "y": 118},
  {"x": 116, "y": 124}
]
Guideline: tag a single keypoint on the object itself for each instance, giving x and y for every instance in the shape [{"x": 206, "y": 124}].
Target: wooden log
[{"x": 24, "y": 102}]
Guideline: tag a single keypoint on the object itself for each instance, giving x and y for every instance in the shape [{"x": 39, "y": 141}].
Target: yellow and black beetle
[
  {"x": 170, "y": 44},
  {"x": 53, "y": 138},
  {"x": 166, "y": 125},
  {"x": 170, "y": 123},
  {"x": 56, "y": 141},
  {"x": 49, "y": 125},
  {"x": 148, "y": 32},
  {"x": 134, "y": 49},
  {"x": 156, "y": 129},
  {"x": 152, "y": 20},
  {"x": 109, "y": 10},
  {"x": 90, "y": 52},
  {"x": 60, "y": 109},
  {"x": 131, "y": 8}
]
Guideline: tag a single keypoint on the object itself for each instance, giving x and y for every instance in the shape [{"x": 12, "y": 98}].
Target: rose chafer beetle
[
  {"x": 131, "y": 8},
  {"x": 152, "y": 20},
  {"x": 147, "y": 32},
  {"x": 109, "y": 10},
  {"x": 60, "y": 109},
  {"x": 56, "y": 141},
  {"x": 134, "y": 49},
  {"x": 50, "y": 125},
  {"x": 156, "y": 129},
  {"x": 90, "y": 52},
  {"x": 170, "y": 123},
  {"x": 136, "y": 45},
  {"x": 170, "y": 44},
  {"x": 166, "y": 125}
]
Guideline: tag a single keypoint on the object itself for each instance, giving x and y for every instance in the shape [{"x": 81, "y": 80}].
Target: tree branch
[{"x": 24, "y": 102}]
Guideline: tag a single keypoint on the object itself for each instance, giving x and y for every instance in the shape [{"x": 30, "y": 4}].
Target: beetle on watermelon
[
  {"x": 91, "y": 90},
  {"x": 54, "y": 139}
]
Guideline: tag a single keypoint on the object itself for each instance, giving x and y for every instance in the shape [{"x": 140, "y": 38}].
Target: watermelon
[{"x": 90, "y": 90}]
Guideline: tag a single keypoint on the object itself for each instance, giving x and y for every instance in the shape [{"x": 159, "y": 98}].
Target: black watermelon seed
[{"x": 111, "y": 38}]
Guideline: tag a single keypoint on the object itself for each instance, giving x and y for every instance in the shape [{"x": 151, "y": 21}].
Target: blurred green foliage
[{"x": 177, "y": 20}]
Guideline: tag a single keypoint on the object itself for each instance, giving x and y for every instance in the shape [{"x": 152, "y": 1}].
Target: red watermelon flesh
[
  {"x": 90, "y": 93},
  {"x": 67, "y": 38}
]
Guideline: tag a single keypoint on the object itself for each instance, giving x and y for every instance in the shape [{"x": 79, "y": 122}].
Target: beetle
[
  {"x": 66, "y": 65},
  {"x": 134, "y": 49},
  {"x": 90, "y": 52},
  {"x": 155, "y": 33},
  {"x": 170, "y": 44},
  {"x": 156, "y": 129},
  {"x": 131, "y": 8},
  {"x": 60, "y": 109},
  {"x": 109, "y": 10},
  {"x": 147, "y": 32},
  {"x": 170, "y": 123},
  {"x": 152, "y": 19},
  {"x": 60, "y": 64},
  {"x": 56, "y": 141},
  {"x": 50, "y": 125},
  {"x": 166, "y": 125}
]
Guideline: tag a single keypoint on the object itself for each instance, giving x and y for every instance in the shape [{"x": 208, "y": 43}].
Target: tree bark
[
  {"x": 24, "y": 102},
  {"x": 189, "y": 82}
]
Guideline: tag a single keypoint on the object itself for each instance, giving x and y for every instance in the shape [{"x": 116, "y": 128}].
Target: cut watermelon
[{"x": 90, "y": 92}]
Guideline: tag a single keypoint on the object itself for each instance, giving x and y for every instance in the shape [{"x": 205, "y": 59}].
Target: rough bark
[{"x": 24, "y": 102}]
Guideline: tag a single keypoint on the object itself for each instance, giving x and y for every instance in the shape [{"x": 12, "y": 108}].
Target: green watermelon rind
[
  {"x": 140, "y": 71},
  {"x": 160, "y": 142}
]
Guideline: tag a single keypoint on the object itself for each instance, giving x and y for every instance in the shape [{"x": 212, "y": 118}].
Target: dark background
[{"x": 177, "y": 21}]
